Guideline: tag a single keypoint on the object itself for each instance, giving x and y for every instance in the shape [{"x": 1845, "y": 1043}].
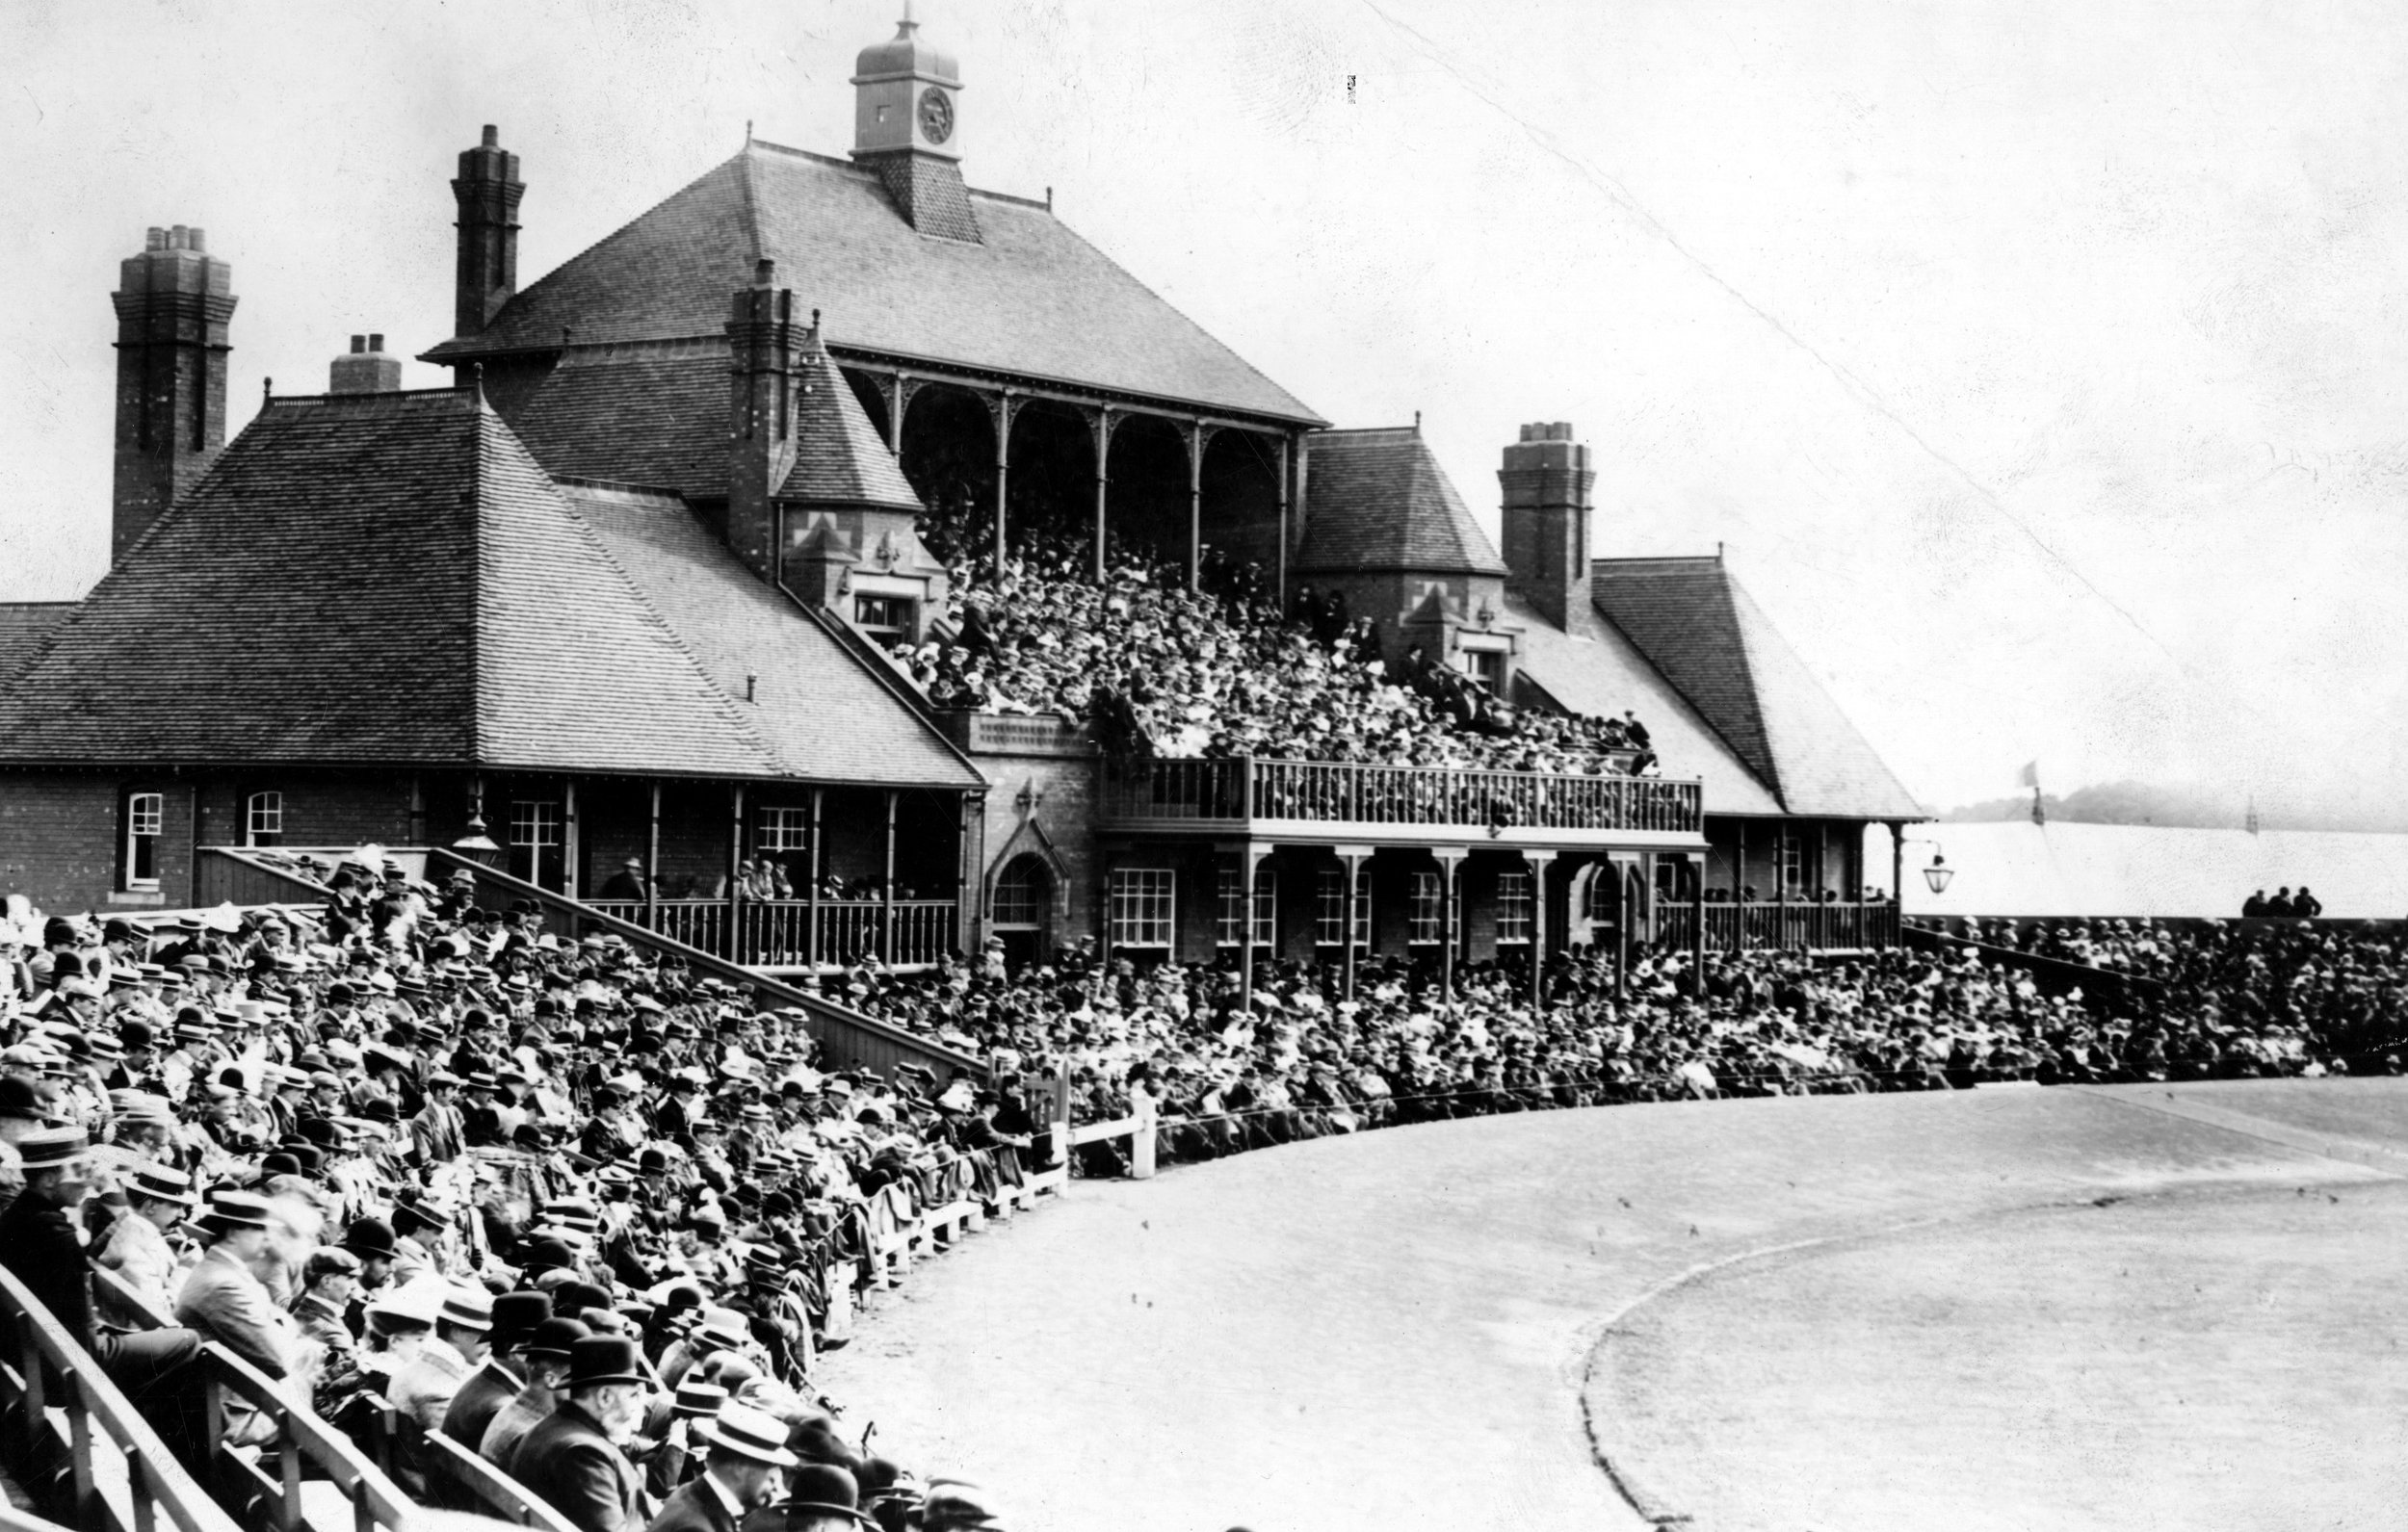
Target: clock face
[{"x": 936, "y": 115}]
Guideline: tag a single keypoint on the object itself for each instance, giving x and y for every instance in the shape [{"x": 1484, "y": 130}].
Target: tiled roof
[
  {"x": 823, "y": 715},
  {"x": 375, "y": 579},
  {"x": 1707, "y": 636},
  {"x": 1596, "y": 671},
  {"x": 23, "y": 626},
  {"x": 646, "y": 415},
  {"x": 1031, "y": 299},
  {"x": 839, "y": 457},
  {"x": 1379, "y": 500}
]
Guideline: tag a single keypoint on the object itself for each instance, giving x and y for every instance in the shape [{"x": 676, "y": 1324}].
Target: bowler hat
[
  {"x": 556, "y": 1338},
  {"x": 821, "y": 1488},
  {"x": 369, "y": 1237},
  {"x": 599, "y": 1360},
  {"x": 515, "y": 1316}
]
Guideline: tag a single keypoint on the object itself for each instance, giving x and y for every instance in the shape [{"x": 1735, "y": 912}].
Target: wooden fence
[{"x": 114, "y": 1474}]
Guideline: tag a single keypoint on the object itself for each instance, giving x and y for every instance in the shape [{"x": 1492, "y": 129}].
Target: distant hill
[{"x": 2174, "y": 807}]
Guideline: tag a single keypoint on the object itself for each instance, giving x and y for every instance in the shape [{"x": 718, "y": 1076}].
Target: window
[
  {"x": 1329, "y": 916},
  {"x": 1021, "y": 895},
  {"x": 1427, "y": 910},
  {"x": 263, "y": 819},
  {"x": 785, "y": 830},
  {"x": 1486, "y": 666},
  {"x": 1513, "y": 907},
  {"x": 1792, "y": 854},
  {"x": 535, "y": 842},
  {"x": 1140, "y": 907},
  {"x": 1266, "y": 907},
  {"x": 145, "y": 820},
  {"x": 885, "y": 618}
]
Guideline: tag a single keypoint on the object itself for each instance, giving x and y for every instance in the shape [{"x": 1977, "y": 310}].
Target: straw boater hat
[
  {"x": 749, "y": 1433},
  {"x": 160, "y": 1184},
  {"x": 467, "y": 1307},
  {"x": 50, "y": 1148},
  {"x": 696, "y": 1398}
]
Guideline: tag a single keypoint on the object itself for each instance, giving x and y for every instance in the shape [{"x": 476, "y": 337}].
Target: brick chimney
[
  {"x": 766, "y": 346},
  {"x": 487, "y": 192},
  {"x": 365, "y": 368},
  {"x": 174, "y": 302},
  {"x": 1546, "y": 478}
]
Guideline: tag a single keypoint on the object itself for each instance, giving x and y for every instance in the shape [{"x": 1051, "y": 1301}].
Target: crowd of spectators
[
  {"x": 591, "y": 1215},
  {"x": 1164, "y": 670},
  {"x": 600, "y": 1218}
]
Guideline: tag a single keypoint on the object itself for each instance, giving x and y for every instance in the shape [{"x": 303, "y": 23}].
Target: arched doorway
[{"x": 1021, "y": 912}]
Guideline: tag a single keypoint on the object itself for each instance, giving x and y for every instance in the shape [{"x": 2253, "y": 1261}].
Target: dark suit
[
  {"x": 570, "y": 1466},
  {"x": 693, "y": 1508},
  {"x": 480, "y": 1399},
  {"x": 38, "y": 1246}
]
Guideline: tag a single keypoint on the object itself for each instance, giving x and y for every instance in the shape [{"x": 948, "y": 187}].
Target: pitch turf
[{"x": 2138, "y": 1307}]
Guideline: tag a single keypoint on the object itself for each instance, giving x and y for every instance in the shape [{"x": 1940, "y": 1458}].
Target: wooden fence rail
[{"x": 120, "y": 1476}]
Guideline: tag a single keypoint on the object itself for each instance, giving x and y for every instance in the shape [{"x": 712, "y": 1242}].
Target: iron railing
[
  {"x": 800, "y": 933},
  {"x": 1241, "y": 789},
  {"x": 1758, "y": 926}
]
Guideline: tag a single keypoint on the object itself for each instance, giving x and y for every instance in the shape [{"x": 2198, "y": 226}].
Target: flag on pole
[
  {"x": 2031, "y": 777},
  {"x": 2031, "y": 780}
]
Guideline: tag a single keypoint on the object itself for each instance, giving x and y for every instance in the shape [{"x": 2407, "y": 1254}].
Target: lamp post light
[
  {"x": 475, "y": 843},
  {"x": 1938, "y": 873}
]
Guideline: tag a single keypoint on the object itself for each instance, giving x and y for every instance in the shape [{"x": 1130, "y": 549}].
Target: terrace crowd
[
  {"x": 1163, "y": 671},
  {"x": 600, "y": 1219}
]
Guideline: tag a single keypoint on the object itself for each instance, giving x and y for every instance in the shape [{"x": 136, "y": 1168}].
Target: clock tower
[{"x": 908, "y": 128}]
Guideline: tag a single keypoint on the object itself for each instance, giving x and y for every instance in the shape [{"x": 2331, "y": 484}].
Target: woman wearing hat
[{"x": 745, "y": 1470}]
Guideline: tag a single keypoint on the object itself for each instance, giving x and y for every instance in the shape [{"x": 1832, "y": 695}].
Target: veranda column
[
  {"x": 1001, "y": 409},
  {"x": 1282, "y": 567},
  {"x": 1101, "y": 426},
  {"x": 811, "y": 943},
  {"x": 1196, "y": 440},
  {"x": 1697, "y": 933},
  {"x": 1449, "y": 863},
  {"x": 1539, "y": 861},
  {"x": 1354, "y": 857},
  {"x": 1781, "y": 880},
  {"x": 570, "y": 850},
  {"x": 886, "y": 916},
  {"x": 1738, "y": 884},
  {"x": 732, "y": 949},
  {"x": 652, "y": 865},
  {"x": 1250, "y": 860}
]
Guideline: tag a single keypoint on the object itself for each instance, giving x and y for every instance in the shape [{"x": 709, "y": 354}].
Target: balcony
[
  {"x": 1761, "y": 927},
  {"x": 1383, "y": 805},
  {"x": 799, "y": 933}
]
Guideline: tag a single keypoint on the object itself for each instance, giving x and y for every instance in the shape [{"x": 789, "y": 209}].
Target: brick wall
[{"x": 60, "y": 837}]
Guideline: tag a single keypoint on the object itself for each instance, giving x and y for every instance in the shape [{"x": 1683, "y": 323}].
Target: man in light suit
[
  {"x": 572, "y": 1461},
  {"x": 424, "y": 1389},
  {"x": 745, "y": 1471},
  {"x": 223, "y": 1299}
]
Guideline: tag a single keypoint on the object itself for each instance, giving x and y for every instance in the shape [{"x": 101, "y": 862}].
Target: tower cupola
[{"x": 907, "y": 129}]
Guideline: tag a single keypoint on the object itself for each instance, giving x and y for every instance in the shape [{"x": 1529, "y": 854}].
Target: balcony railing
[
  {"x": 782, "y": 933},
  {"x": 1763, "y": 927},
  {"x": 1384, "y": 802}
]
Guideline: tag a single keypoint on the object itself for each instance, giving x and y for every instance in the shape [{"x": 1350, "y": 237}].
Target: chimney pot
[
  {"x": 493, "y": 137},
  {"x": 155, "y": 239},
  {"x": 375, "y": 343},
  {"x": 177, "y": 237},
  {"x": 764, "y": 271},
  {"x": 359, "y": 343},
  {"x": 195, "y": 240}
]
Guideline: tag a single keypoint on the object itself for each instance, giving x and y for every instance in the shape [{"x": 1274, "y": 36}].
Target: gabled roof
[
  {"x": 24, "y": 625},
  {"x": 839, "y": 458},
  {"x": 375, "y": 579},
  {"x": 1378, "y": 500},
  {"x": 825, "y": 717},
  {"x": 1596, "y": 671},
  {"x": 1691, "y": 620},
  {"x": 1032, "y": 298}
]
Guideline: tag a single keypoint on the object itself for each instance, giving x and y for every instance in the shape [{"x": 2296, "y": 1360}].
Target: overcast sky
[{"x": 2039, "y": 363}]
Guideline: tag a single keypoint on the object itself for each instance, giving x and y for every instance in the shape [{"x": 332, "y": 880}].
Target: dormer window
[{"x": 888, "y": 620}]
